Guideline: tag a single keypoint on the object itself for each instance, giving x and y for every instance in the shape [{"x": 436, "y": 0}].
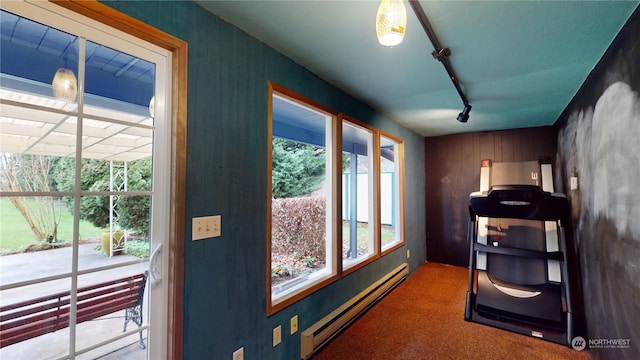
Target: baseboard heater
[{"x": 320, "y": 333}]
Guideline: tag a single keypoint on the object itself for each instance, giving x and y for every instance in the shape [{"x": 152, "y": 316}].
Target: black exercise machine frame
[{"x": 527, "y": 202}]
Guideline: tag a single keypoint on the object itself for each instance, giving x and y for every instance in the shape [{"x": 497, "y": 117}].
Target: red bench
[{"x": 31, "y": 318}]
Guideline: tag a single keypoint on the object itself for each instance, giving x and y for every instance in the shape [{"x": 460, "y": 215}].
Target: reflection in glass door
[{"x": 82, "y": 143}]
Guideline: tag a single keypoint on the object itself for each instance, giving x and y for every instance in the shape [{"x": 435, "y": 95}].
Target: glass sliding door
[{"x": 84, "y": 154}]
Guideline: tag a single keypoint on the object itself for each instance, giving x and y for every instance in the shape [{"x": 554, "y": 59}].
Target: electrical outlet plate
[
  {"x": 573, "y": 183},
  {"x": 277, "y": 335},
  {"x": 294, "y": 324},
  {"x": 205, "y": 227},
  {"x": 238, "y": 354},
  {"x": 408, "y": 253}
]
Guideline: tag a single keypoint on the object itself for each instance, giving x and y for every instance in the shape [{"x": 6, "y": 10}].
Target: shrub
[
  {"x": 136, "y": 247},
  {"x": 133, "y": 211},
  {"x": 298, "y": 226},
  {"x": 297, "y": 169}
]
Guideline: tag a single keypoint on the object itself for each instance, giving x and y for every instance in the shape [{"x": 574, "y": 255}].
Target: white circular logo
[{"x": 578, "y": 343}]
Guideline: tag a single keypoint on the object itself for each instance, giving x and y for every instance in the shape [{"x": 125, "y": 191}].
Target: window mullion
[
  {"x": 377, "y": 223},
  {"x": 336, "y": 194},
  {"x": 77, "y": 198}
]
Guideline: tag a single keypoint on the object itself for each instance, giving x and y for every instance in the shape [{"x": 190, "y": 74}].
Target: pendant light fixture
[
  {"x": 391, "y": 22},
  {"x": 152, "y": 106},
  {"x": 65, "y": 85}
]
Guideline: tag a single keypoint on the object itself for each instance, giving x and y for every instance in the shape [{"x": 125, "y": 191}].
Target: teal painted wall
[{"x": 225, "y": 278}]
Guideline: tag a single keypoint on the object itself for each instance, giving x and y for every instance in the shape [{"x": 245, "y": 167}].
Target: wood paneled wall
[{"x": 453, "y": 172}]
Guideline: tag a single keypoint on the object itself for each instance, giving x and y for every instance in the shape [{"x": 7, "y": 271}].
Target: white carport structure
[{"x": 33, "y": 122}]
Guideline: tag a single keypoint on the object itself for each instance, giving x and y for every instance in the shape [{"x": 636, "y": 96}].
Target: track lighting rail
[{"x": 440, "y": 53}]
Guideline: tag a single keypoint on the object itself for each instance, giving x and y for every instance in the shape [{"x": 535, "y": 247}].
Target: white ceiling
[
  {"x": 519, "y": 62},
  {"x": 35, "y": 124}
]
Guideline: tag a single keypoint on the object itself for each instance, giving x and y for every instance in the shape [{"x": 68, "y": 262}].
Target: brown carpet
[{"x": 423, "y": 318}]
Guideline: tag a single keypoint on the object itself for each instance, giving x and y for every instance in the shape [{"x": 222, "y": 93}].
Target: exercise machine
[{"x": 518, "y": 268}]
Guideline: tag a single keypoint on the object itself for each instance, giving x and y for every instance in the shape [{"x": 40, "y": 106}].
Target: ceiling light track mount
[{"x": 441, "y": 54}]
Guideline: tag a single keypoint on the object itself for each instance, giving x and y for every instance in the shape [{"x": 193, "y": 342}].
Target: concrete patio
[{"x": 35, "y": 265}]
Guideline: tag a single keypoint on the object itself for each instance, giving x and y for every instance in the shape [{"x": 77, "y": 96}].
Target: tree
[
  {"x": 297, "y": 169},
  {"x": 94, "y": 177},
  {"x": 133, "y": 211},
  {"x": 30, "y": 173}
]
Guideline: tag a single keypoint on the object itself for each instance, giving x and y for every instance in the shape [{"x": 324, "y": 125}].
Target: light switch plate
[
  {"x": 205, "y": 227},
  {"x": 573, "y": 183}
]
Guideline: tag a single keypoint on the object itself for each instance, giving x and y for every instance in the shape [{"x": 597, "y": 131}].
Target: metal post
[
  {"x": 353, "y": 211},
  {"x": 117, "y": 183}
]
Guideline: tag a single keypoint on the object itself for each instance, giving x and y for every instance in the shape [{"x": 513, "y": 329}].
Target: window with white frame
[
  {"x": 358, "y": 200},
  {"x": 391, "y": 193},
  {"x": 301, "y": 197}
]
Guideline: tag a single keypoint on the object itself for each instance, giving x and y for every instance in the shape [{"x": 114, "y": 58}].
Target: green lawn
[
  {"x": 15, "y": 232},
  {"x": 387, "y": 233}
]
